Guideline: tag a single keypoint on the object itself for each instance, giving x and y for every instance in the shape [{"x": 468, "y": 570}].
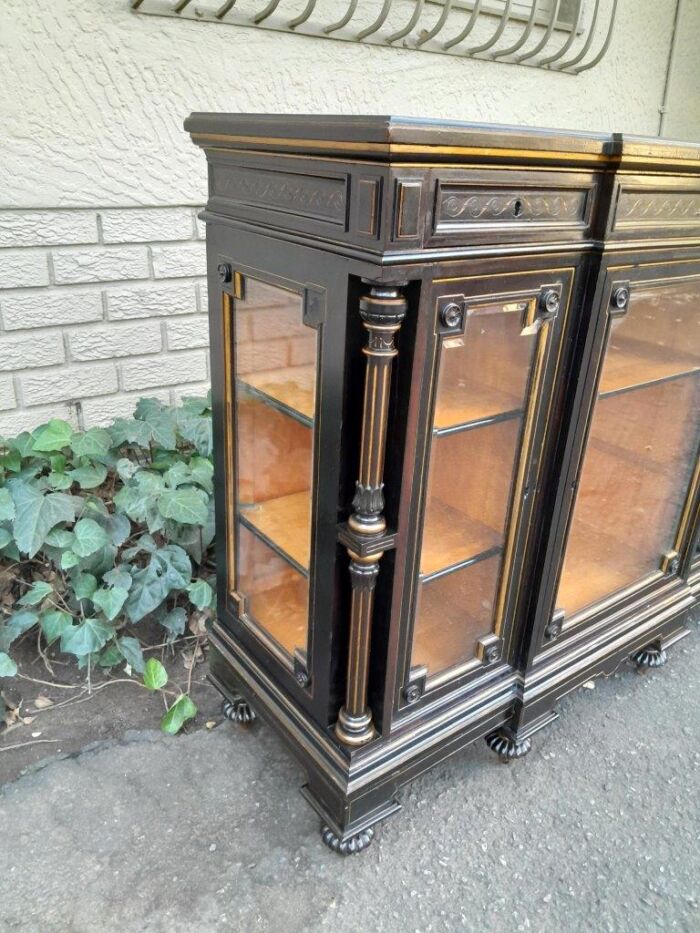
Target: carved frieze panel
[{"x": 316, "y": 197}]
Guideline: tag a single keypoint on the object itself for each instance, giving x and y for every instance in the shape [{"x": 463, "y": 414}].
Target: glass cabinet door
[
  {"x": 273, "y": 403},
  {"x": 485, "y": 400},
  {"x": 642, "y": 446}
]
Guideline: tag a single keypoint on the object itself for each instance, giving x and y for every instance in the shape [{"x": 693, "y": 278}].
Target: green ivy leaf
[
  {"x": 89, "y": 537},
  {"x": 11, "y": 461},
  {"x": 201, "y": 594},
  {"x": 87, "y": 637},
  {"x": 8, "y": 668},
  {"x": 111, "y": 656},
  {"x": 147, "y": 408},
  {"x": 202, "y": 471},
  {"x": 23, "y": 444},
  {"x": 84, "y": 586},
  {"x": 198, "y": 431},
  {"x": 5, "y": 537},
  {"x": 59, "y": 480},
  {"x": 178, "y": 565},
  {"x": 58, "y": 463},
  {"x": 129, "y": 430},
  {"x": 174, "y": 621},
  {"x": 149, "y": 589},
  {"x": 126, "y": 469},
  {"x": 54, "y": 624},
  {"x": 89, "y": 477},
  {"x": 118, "y": 527},
  {"x": 60, "y": 537},
  {"x": 53, "y": 436},
  {"x": 38, "y": 590},
  {"x": 183, "y": 505},
  {"x": 182, "y": 709},
  {"x": 68, "y": 560},
  {"x": 36, "y": 514},
  {"x": 155, "y": 675},
  {"x": 118, "y": 577},
  {"x": 93, "y": 443},
  {"x": 110, "y": 601},
  {"x": 16, "y": 625},
  {"x": 7, "y": 506},
  {"x": 162, "y": 426},
  {"x": 133, "y": 655},
  {"x": 177, "y": 474}
]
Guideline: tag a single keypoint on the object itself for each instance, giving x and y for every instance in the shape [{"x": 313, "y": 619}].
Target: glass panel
[
  {"x": 275, "y": 377},
  {"x": 480, "y": 407},
  {"x": 642, "y": 446}
]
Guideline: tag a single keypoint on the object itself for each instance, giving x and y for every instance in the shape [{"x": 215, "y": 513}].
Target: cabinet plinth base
[
  {"x": 237, "y": 709},
  {"x": 350, "y": 846},
  {"x": 506, "y": 747},
  {"x": 651, "y": 656}
]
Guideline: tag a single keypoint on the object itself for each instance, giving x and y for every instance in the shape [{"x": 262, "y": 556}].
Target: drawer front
[
  {"x": 486, "y": 206},
  {"x": 655, "y": 208}
]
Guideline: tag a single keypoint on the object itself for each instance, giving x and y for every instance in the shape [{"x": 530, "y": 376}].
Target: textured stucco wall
[{"x": 92, "y": 104}]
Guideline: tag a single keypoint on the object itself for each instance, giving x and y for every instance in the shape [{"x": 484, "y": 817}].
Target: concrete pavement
[{"x": 597, "y": 829}]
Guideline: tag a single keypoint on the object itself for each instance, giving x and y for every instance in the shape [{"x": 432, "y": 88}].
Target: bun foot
[
  {"x": 238, "y": 710},
  {"x": 507, "y": 748},
  {"x": 649, "y": 657},
  {"x": 350, "y": 846}
]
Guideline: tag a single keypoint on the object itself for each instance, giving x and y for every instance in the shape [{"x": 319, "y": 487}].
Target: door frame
[{"x": 550, "y": 635}]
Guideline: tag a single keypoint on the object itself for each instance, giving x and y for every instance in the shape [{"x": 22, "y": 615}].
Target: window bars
[{"x": 570, "y": 36}]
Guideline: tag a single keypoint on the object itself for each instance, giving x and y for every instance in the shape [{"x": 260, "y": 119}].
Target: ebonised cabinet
[{"x": 456, "y": 402}]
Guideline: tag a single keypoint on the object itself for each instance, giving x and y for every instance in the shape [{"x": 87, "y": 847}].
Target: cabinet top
[{"x": 399, "y": 139}]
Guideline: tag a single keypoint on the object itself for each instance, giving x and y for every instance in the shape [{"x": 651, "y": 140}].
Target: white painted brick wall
[
  {"x": 100, "y": 264},
  {"x": 99, "y": 307}
]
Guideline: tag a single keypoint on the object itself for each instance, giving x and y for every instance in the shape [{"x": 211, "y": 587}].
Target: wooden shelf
[
  {"x": 293, "y": 389},
  {"x": 591, "y": 573},
  {"x": 285, "y": 524},
  {"x": 631, "y": 364},
  {"x": 451, "y": 537},
  {"x": 463, "y": 406},
  {"x": 452, "y": 613},
  {"x": 282, "y": 612}
]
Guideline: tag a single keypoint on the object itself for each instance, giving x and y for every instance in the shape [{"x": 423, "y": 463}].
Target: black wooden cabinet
[{"x": 456, "y": 402}]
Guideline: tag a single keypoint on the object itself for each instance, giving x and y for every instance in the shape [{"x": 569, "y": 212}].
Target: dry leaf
[
  {"x": 210, "y": 724},
  {"x": 197, "y": 623},
  {"x": 42, "y": 702},
  {"x": 35, "y": 735},
  {"x": 28, "y": 720},
  {"x": 589, "y": 685}
]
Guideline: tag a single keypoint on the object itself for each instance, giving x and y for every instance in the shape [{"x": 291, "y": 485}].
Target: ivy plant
[{"x": 104, "y": 528}]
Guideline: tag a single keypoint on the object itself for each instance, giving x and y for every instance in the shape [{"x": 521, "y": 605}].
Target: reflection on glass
[
  {"x": 275, "y": 384},
  {"x": 479, "y": 410},
  {"x": 642, "y": 446}
]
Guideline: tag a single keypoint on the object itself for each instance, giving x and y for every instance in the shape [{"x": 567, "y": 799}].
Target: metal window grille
[{"x": 570, "y": 36}]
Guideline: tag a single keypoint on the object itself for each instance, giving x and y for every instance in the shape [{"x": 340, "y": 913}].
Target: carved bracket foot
[
  {"x": 350, "y": 846},
  {"x": 238, "y": 710},
  {"x": 507, "y": 748},
  {"x": 648, "y": 657}
]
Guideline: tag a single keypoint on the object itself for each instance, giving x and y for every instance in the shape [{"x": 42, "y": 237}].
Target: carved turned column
[{"x": 382, "y": 312}]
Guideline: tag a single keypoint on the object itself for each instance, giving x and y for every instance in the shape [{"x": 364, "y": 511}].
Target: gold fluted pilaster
[{"x": 382, "y": 312}]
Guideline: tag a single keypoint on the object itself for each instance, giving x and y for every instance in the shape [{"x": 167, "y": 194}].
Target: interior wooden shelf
[
  {"x": 467, "y": 404},
  {"x": 293, "y": 387},
  {"x": 285, "y": 522},
  {"x": 594, "y": 571},
  {"x": 452, "y": 613},
  {"x": 450, "y": 537},
  {"x": 282, "y": 611},
  {"x": 633, "y": 363}
]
